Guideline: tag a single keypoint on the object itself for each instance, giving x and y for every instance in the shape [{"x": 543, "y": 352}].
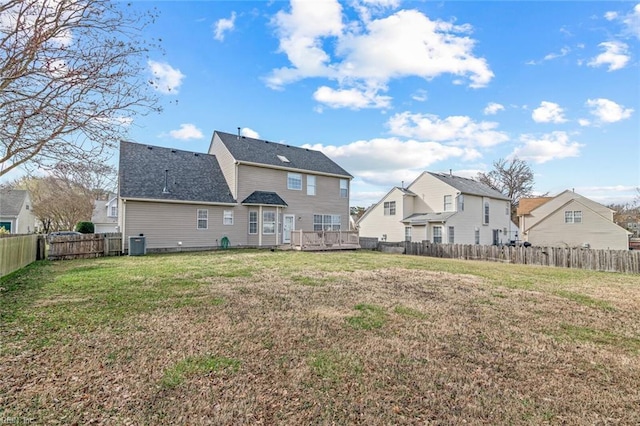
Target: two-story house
[
  {"x": 16, "y": 212},
  {"x": 246, "y": 192},
  {"x": 570, "y": 220},
  {"x": 441, "y": 208}
]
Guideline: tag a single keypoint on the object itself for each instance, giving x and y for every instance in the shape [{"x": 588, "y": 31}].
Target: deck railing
[{"x": 325, "y": 240}]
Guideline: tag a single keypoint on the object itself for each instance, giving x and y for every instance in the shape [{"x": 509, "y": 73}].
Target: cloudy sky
[{"x": 389, "y": 89}]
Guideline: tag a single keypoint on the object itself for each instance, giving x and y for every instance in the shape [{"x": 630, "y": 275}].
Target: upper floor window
[
  {"x": 294, "y": 181},
  {"x": 389, "y": 208},
  {"x": 573, "y": 216},
  {"x": 485, "y": 216},
  {"x": 448, "y": 204},
  {"x": 114, "y": 211},
  {"x": 311, "y": 185},
  {"x": 460, "y": 203},
  {"x": 507, "y": 208},
  {"x": 344, "y": 188},
  {"x": 227, "y": 217},
  {"x": 203, "y": 219}
]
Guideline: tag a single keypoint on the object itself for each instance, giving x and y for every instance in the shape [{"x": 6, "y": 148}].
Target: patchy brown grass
[{"x": 304, "y": 338}]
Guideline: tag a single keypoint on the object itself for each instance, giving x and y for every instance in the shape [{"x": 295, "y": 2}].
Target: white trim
[
  {"x": 155, "y": 200},
  {"x": 292, "y": 169}
]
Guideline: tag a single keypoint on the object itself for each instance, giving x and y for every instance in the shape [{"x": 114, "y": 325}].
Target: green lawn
[{"x": 260, "y": 337}]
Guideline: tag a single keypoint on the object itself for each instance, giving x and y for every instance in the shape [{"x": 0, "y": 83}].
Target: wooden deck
[{"x": 324, "y": 240}]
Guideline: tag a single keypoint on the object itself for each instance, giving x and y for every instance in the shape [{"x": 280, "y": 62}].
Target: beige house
[
  {"x": 570, "y": 220},
  {"x": 16, "y": 212},
  {"x": 244, "y": 192},
  {"x": 441, "y": 208}
]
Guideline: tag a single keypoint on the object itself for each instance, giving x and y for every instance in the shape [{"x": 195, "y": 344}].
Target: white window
[
  {"x": 407, "y": 233},
  {"x": 311, "y": 185},
  {"x": 114, "y": 211},
  {"x": 227, "y": 217},
  {"x": 485, "y": 216},
  {"x": 507, "y": 208},
  {"x": 326, "y": 222},
  {"x": 437, "y": 234},
  {"x": 573, "y": 216},
  {"x": 344, "y": 188},
  {"x": 294, "y": 181},
  {"x": 389, "y": 208},
  {"x": 451, "y": 234},
  {"x": 477, "y": 236},
  {"x": 268, "y": 223},
  {"x": 448, "y": 204},
  {"x": 461, "y": 203},
  {"x": 253, "y": 222},
  {"x": 203, "y": 219}
]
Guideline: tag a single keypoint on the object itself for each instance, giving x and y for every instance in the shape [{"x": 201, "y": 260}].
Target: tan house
[
  {"x": 570, "y": 220},
  {"x": 16, "y": 212},
  {"x": 244, "y": 192},
  {"x": 441, "y": 208}
]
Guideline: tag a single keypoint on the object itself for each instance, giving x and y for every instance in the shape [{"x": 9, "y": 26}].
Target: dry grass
[{"x": 253, "y": 337}]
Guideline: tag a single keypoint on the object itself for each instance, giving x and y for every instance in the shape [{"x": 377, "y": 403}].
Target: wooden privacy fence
[
  {"x": 85, "y": 246},
  {"x": 17, "y": 251},
  {"x": 626, "y": 261}
]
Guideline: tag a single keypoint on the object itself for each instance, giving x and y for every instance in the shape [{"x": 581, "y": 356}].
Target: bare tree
[
  {"x": 512, "y": 178},
  {"x": 70, "y": 79}
]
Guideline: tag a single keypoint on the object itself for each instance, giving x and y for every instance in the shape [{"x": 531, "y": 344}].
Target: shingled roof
[
  {"x": 258, "y": 151},
  {"x": 265, "y": 198},
  {"x": 469, "y": 186},
  {"x": 189, "y": 176},
  {"x": 11, "y": 202}
]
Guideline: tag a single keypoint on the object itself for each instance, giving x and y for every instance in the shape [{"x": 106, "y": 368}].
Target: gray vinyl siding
[
  {"x": 326, "y": 201},
  {"x": 165, "y": 224},
  {"x": 226, "y": 162}
]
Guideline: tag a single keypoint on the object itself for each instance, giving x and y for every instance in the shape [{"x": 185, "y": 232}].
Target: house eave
[
  {"x": 292, "y": 169},
  {"x": 159, "y": 200}
]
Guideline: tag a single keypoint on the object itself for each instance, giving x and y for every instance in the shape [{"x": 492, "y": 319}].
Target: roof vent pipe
[
  {"x": 450, "y": 173},
  {"x": 238, "y": 133},
  {"x": 165, "y": 190}
]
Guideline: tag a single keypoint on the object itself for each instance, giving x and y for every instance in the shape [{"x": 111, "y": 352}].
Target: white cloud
[
  {"x": 420, "y": 95},
  {"x": 584, "y": 122},
  {"x": 387, "y": 161},
  {"x": 351, "y": 98},
  {"x": 454, "y": 130},
  {"x": 548, "y": 112},
  {"x": 608, "y": 111},
  {"x": 563, "y": 52},
  {"x": 186, "y": 132},
  {"x": 492, "y": 108},
  {"x": 166, "y": 79},
  {"x": 551, "y": 146},
  {"x": 630, "y": 21},
  {"x": 370, "y": 53},
  {"x": 250, "y": 133},
  {"x": 223, "y": 26},
  {"x": 611, "y": 16},
  {"x": 615, "y": 55}
]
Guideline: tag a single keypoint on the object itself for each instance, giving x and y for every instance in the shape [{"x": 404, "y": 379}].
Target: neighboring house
[
  {"x": 16, "y": 214},
  {"x": 245, "y": 191},
  {"x": 441, "y": 208},
  {"x": 570, "y": 220},
  {"x": 105, "y": 215}
]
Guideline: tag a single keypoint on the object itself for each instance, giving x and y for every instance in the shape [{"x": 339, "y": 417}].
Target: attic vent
[
  {"x": 149, "y": 147},
  {"x": 173, "y": 150},
  {"x": 283, "y": 159},
  {"x": 195, "y": 154}
]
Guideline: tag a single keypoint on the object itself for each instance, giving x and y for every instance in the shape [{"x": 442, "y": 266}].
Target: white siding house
[
  {"x": 16, "y": 212},
  {"x": 570, "y": 220},
  {"x": 440, "y": 208}
]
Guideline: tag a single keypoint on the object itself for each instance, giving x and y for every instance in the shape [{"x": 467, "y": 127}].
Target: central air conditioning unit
[{"x": 137, "y": 246}]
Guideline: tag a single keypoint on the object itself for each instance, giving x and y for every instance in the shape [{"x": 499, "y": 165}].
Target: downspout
[
  {"x": 260, "y": 227},
  {"x": 277, "y": 227},
  {"x": 124, "y": 217}
]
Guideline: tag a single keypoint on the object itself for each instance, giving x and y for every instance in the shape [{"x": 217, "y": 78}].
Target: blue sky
[{"x": 388, "y": 89}]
